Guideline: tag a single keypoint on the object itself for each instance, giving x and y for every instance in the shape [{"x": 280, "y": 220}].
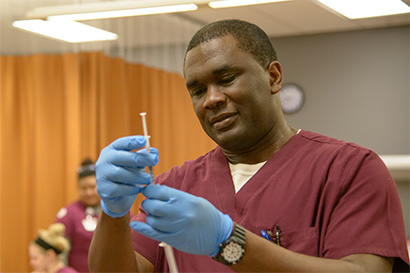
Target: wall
[{"x": 357, "y": 89}]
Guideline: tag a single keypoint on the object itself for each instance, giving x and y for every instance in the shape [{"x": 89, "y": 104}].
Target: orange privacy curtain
[{"x": 56, "y": 110}]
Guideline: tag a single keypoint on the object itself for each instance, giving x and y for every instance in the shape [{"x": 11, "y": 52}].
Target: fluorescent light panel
[
  {"x": 102, "y": 6},
  {"x": 125, "y": 12},
  {"x": 238, "y": 3},
  {"x": 356, "y": 9},
  {"x": 69, "y": 31},
  {"x": 61, "y": 25}
]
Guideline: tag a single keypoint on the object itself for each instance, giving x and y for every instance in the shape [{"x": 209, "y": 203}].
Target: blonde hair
[{"x": 53, "y": 238}]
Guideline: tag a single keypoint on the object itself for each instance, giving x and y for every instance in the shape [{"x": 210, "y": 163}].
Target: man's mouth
[{"x": 222, "y": 121}]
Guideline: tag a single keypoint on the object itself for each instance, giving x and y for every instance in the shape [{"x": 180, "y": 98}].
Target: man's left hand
[{"x": 187, "y": 222}]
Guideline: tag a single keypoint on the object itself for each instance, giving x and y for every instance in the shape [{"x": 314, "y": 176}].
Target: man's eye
[
  {"x": 227, "y": 79},
  {"x": 198, "y": 91}
]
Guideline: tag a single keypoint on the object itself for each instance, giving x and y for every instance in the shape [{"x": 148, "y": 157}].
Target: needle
[{"x": 147, "y": 144}]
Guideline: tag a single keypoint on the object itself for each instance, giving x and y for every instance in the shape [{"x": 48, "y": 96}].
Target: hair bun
[
  {"x": 87, "y": 168},
  {"x": 57, "y": 229},
  {"x": 87, "y": 161},
  {"x": 53, "y": 238}
]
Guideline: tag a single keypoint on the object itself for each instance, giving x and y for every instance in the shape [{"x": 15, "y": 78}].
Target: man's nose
[{"x": 214, "y": 97}]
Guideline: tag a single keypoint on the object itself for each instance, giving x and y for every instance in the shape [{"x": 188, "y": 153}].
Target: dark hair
[
  {"x": 249, "y": 37},
  {"x": 87, "y": 168}
]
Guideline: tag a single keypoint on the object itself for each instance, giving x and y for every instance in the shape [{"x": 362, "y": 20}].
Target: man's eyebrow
[{"x": 221, "y": 69}]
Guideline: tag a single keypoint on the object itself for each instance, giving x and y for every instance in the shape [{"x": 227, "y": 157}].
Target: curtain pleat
[{"x": 57, "y": 109}]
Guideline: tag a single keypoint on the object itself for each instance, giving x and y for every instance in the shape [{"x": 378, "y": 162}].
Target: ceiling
[{"x": 290, "y": 18}]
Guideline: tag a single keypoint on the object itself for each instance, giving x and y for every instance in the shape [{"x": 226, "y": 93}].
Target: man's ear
[{"x": 276, "y": 76}]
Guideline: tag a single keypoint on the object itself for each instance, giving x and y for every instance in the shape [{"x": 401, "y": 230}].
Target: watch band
[{"x": 232, "y": 250}]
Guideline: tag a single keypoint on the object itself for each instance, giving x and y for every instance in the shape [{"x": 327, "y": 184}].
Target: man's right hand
[{"x": 121, "y": 173}]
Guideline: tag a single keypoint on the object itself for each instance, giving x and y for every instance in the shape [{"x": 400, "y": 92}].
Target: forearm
[
  {"x": 264, "y": 256},
  {"x": 111, "y": 247}
]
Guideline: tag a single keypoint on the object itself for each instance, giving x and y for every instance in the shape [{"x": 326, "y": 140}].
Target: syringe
[
  {"x": 147, "y": 144},
  {"x": 169, "y": 252}
]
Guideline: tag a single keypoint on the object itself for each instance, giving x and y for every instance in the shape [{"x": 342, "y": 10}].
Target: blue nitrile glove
[
  {"x": 187, "y": 222},
  {"x": 121, "y": 173}
]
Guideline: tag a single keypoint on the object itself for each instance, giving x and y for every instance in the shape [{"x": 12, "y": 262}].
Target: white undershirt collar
[{"x": 241, "y": 173}]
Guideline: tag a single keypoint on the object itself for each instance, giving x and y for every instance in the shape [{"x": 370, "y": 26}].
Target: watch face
[
  {"x": 292, "y": 98},
  {"x": 232, "y": 252}
]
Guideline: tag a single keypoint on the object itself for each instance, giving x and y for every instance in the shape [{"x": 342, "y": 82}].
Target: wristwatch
[{"x": 232, "y": 250}]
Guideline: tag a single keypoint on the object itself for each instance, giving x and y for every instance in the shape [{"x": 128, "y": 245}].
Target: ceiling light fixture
[
  {"x": 239, "y": 3},
  {"x": 356, "y": 9},
  {"x": 68, "y": 31},
  {"x": 125, "y": 12},
  {"x": 59, "y": 22},
  {"x": 114, "y": 9}
]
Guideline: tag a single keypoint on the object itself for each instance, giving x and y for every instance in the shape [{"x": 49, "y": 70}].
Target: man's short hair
[{"x": 249, "y": 37}]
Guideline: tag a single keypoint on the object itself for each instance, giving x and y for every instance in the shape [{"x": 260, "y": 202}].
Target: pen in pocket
[
  {"x": 277, "y": 235},
  {"x": 267, "y": 234}
]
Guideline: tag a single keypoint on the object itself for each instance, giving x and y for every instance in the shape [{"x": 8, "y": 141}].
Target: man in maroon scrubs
[{"x": 269, "y": 198}]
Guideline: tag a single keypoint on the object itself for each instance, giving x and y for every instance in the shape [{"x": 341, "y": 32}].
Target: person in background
[
  {"x": 268, "y": 198},
  {"x": 47, "y": 250},
  {"x": 80, "y": 217}
]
